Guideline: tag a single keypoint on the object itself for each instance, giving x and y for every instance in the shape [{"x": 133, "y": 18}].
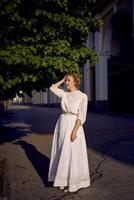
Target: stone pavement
[{"x": 26, "y": 139}]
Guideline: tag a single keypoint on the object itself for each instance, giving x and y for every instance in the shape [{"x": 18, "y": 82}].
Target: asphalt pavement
[{"x": 26, "y": 138}]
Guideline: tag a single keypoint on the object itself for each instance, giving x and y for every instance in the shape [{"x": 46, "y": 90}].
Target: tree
[{"x": 41, "y": 40}]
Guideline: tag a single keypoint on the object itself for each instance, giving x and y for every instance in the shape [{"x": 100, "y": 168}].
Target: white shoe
[
  {"x": 62, "y": 187},
  {"x": 66, "y": 190}
]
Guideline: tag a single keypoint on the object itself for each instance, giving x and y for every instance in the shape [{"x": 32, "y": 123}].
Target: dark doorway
[
  {"x": 120, "y": 90},
  {"x": 120, "y": 69}
]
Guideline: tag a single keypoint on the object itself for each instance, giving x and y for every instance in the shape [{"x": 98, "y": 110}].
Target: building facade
[{"x": 111, "y": 80}]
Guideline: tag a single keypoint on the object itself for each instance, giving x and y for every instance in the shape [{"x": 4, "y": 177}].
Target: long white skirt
[{"x": 69, "y": 161}]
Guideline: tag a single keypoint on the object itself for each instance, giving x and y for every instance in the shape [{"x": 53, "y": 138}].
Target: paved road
[{"x": 26, "y": 143}]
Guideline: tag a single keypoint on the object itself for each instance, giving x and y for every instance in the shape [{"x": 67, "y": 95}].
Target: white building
[
  {"x": 41, "y": 98},
  {"x": 111, "y": 80}
]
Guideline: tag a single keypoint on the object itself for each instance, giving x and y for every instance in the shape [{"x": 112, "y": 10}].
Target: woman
[{"x": 69, "y": 162}]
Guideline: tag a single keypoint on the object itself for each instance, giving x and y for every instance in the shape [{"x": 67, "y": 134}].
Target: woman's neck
[{"x": 73, "y": 89}]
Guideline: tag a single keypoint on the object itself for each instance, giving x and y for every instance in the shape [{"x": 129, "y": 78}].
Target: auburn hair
[{"x": 77, "y": 79}]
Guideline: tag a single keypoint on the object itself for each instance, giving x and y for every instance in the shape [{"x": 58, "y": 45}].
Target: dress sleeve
[
  {"x": 57, "y": 91},
  {"x": 82, "y": 111}
]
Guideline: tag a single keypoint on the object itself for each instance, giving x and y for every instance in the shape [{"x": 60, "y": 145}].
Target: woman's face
[{"x": 70, "y": 83}]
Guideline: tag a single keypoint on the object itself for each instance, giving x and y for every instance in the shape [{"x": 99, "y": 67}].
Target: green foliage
[{"x": 40, "y": 41}]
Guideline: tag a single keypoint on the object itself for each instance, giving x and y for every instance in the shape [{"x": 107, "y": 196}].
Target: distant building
[{"x": 41, "y": 98}]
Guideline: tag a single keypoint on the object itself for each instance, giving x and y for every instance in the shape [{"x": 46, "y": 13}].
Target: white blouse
[{"x": 74, "y": 102}]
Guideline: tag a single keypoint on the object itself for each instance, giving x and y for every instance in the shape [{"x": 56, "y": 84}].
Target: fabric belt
[{"x": 69, "y": 113}]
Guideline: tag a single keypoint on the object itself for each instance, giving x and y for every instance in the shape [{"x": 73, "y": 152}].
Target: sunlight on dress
[{"x": 69, "y": 161}]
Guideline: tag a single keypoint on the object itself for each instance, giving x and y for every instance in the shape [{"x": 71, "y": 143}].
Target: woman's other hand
[{"x": 73, "y": 136}]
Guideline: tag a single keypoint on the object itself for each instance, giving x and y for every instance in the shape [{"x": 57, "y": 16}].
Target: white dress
[{"x": 69, "y": 161}]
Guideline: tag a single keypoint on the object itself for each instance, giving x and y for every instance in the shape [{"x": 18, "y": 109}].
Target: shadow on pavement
[
  {"x": 7, "y": 132},
  {"x": 117, "y": 144},
  {"x": 11, "y": 134},
  {"x": 121, "y": 149},
  {"x": 39, "y": 119},
  {"x": 39, "y": 161}
]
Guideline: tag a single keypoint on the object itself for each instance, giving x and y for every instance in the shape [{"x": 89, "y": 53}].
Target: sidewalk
[{"x": 26, "y": 143}]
